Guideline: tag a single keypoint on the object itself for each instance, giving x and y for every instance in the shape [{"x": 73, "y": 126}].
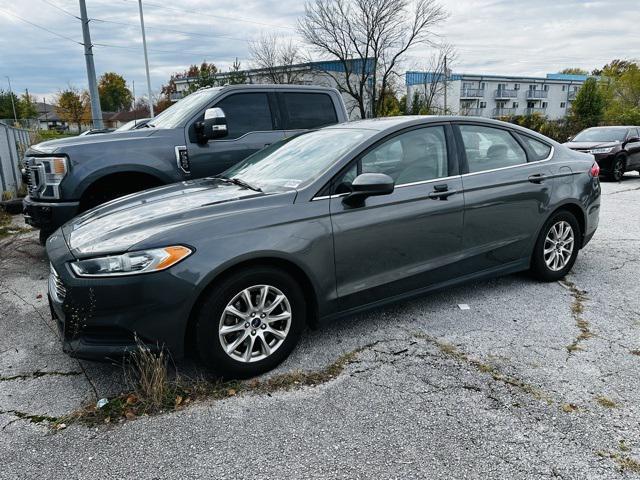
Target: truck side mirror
[{"x": 213, "y": 126}]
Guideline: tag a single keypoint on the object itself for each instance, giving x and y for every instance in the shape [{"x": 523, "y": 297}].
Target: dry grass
[
  {"x": 606, "y": 402},
  {"x": 148, "y": 376}
]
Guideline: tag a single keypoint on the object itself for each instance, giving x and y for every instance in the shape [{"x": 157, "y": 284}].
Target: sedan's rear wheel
[
  {"x": 557, "y": 247},
  {"x": 250, "y": 322}
]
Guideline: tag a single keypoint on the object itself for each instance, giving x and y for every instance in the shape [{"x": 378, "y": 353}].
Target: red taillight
[{"x": 595, "y": 170}]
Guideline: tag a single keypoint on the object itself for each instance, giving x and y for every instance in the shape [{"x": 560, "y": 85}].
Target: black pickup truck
[{"x": 201, "y": 135}]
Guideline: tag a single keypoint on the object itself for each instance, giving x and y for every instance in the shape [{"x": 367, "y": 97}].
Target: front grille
[{"x": 56, "y": 288}]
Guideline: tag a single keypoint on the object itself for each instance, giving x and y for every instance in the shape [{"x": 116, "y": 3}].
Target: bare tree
[
  {"x": 279, "y": 59},
  {"x": 434, "y": 82},
  {"x": 369, "y": 38}
]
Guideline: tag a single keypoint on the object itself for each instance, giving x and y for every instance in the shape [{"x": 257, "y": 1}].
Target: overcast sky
[{"x": 531, "y": 37}]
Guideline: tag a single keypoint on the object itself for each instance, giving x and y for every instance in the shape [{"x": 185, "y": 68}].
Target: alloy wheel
[
  {"x": 618, "y": 169},
  {"x": 558, "y": 245},
  {"x": 255, "y": 323}
]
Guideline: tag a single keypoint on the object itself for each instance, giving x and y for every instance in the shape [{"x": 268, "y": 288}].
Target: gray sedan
[{"x": 321, "y": 225}]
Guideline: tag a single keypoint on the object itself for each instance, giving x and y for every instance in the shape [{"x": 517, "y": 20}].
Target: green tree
[
  {"x": 574, "y": 71},
  {"x": 622, "y": 93},
  {"x": 6, "y": 109},
  {"x": 587, "y": 109},
  {"x": 203, "y": 75},
  {"x": 236, "y": 75},
  {"x": 614, "y": 68},
  {"x": 73, "y": 106},
  {"x": 27, "y": 106},
  {"x": 114, "y": 94}
]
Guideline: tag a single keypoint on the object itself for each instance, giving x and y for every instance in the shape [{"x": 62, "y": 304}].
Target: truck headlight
[
  {"x": 48, "y": 174},
  {"x": 131, "y": 263}
]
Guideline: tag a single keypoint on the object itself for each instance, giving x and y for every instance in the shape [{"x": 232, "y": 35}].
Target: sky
[{"x": 40, "y": 46}]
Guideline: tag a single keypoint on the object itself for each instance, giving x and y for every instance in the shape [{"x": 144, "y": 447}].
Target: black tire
[
  {"x": 618, "y": 168},
  {"x": 43, "y": 235},
  {"x": 539, "y": 266},
  {"x": 209, "y": 344}
]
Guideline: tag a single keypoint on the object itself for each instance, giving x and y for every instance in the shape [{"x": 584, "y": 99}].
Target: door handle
[
  {"x": 441, "y": 194},
  {"x": 537, "y": 178}
]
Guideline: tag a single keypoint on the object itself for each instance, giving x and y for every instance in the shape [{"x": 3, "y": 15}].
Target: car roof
[
  {"x": 269, "y": 86},
  {"x": 384, "y": 123}
]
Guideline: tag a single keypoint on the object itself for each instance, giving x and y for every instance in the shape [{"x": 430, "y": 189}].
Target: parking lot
[{"x": 533, "y": 380}]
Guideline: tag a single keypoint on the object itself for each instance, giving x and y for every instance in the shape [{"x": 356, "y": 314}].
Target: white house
[{"x": 498, "y": 95}]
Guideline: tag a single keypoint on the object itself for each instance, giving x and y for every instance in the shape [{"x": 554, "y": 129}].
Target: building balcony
[
  {"x": 536, "y": 94},
  {"x": 471, "y": 112},
  {"x": 472, "y": 93},
  {"x": 504, "y": 93},
  {"x": 503, "y": 112},
  {"x": 531, "y": 111}
]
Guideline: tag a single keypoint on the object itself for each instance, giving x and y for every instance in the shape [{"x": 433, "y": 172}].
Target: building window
[
  {"x": 533, "y": 87},
  {"x": 564, "y": 88},
  {"x": 544, "y": 104},
  {"x": 515, "y": 105},
  {"x": 516, "y": 86},
  {"x": 482, "y": 86},
  {"x": 546, "y": 88},
  {"x": 483, "y": 104},
  {"x": 563, "y": 104}
]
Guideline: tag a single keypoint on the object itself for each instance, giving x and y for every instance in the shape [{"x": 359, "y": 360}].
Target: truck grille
[{"x": 56, "y": 288}]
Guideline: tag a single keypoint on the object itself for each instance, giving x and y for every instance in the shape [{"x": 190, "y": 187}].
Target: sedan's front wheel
[
  {"x": 250, "y": 322},
  {"x": 557, "y": 247}
]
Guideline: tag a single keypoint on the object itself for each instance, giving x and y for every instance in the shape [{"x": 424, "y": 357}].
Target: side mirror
[
  {"x": 632, "y": 140},
  {"x": 569, "y": 138},
  {"x": 368, "y": 185},
  {"x": 213, "y": 126}
]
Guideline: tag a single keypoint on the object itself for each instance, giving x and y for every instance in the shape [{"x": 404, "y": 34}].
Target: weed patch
[
  {"x": 606, "y": 402},
  {"x": 577, "y": 309}
]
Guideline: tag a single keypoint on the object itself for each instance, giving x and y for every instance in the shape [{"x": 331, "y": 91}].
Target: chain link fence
[{"x": 13, "y": 143}]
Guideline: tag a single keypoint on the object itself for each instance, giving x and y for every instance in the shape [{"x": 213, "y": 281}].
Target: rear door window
[
  {"x": 308, "y": 110},
  {"x": 539, "y": 150},
  {"x": 488, "y": 148},
  {"x": 246, "y": 112}
]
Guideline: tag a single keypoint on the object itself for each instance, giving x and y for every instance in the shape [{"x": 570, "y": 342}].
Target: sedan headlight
[
  {"x": 601, "y": 150},
  {"x": 131, "y": 263}
]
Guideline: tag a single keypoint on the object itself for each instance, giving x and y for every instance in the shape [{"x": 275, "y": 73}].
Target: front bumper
[
  {"x": 101, "y": 318},
  {"x": 48, "y": 215}
]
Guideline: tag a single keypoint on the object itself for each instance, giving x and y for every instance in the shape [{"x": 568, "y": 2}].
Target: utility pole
[
  {"x": 96, "y": 111},
  {"x": 13, "y": 105},
  {"x": 146, "y": 58},
  {"x": 445, "y": 84}
]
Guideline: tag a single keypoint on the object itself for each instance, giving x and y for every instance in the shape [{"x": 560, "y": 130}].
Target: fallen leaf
[
  {"x": 231, "y": 392},
  {"x": 178, "y": 400},
  {"x": 129, "y": 414},
  {"x": 131, "y": 399},
  {"x": 39, "y": 296}
]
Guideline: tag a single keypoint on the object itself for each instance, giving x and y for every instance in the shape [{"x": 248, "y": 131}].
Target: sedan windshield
[
  {"x": 601, "y": 135},
  {"x": 184, "y": 109},
  {"x": 295, "y": 162}
]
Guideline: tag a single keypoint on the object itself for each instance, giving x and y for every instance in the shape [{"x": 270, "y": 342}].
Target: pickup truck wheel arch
[{"x": 116, "y": 185}]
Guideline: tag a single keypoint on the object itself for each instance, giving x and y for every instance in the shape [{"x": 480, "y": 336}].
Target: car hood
[
  {"x": 120, "y": 224},
  {"x": 61, "y": 145},
  {"x": 590, "y": 145}
]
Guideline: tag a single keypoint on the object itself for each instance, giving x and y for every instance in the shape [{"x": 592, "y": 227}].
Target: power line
[
  {"x": 61, "y": 9},
  {"x": 109, "y": 45},
  {"x": 40, "y": 27},
  {"x": 198, "y": 12},
  {"x": 192, "y": 34}
]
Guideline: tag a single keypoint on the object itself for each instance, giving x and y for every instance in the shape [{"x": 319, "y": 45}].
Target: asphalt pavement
[{"x": 534, "y": 380}]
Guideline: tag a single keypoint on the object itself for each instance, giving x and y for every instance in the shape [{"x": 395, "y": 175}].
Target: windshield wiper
[{"x": 239, "y": 182}]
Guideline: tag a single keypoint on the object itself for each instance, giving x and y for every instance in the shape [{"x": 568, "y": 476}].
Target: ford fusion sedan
[
  {"x": 616, "y": 149},
  {"x": 314, "y": 227}
]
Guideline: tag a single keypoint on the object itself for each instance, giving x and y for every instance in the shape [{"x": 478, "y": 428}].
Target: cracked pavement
[{"x": 490, "y": 392}]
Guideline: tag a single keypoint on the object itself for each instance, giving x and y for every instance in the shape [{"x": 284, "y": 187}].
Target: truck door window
[
  {"x": 308, "y": 110},
  {"x": 246, "y": 112}
]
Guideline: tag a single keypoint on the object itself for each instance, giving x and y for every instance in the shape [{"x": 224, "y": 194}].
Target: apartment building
[{"x": 496, "y": 96}]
